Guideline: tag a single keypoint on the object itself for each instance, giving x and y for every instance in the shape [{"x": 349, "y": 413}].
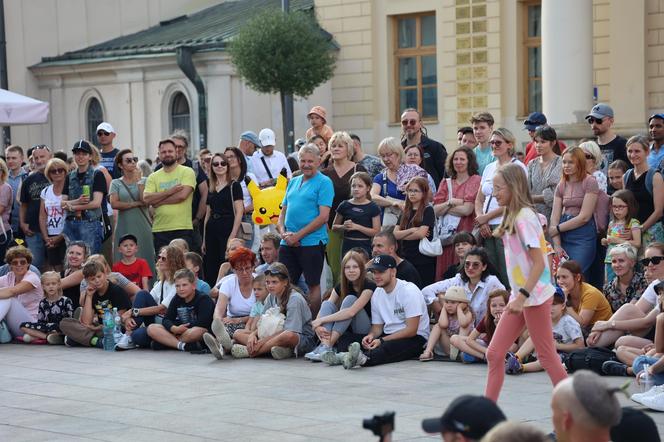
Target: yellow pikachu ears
[
  {"x": 253, "y": 188},
  {"x": 282, "y": 182}
]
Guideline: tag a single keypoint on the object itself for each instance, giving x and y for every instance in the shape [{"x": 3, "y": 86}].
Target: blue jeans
[
  {"x": 640, "y": 361},
  {"x": 581, "y": 244},
  {"x": 38, "y": 249},
  {"x": 140, "y": 334},
  {"x": 90, "y": 232},
  {"x": 360, "y": 323}
]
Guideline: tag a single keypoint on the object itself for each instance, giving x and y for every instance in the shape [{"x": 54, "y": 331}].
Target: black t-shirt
[
  {"x": 451, "y": 271},
  {"x": 362, "y": 214},
  {"x": 220, "y": 202},
  {"x": 614, "y": 150},
  {"x": 108, "y": 161},
  {"x": 368, "y": 285},
  {"x": 642, "y": 196},
  {"x": 410, "y": 248},
  {"x": 200, "y": 311},
  {"x": 115, "y": 297},
  {"x": 73, "y": 293},
  {"x": 30, "y": 194},
  {"x": 435, "y": 155},
  {"x": 407, "y": 272}
]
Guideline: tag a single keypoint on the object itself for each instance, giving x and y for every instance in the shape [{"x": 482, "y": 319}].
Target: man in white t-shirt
[
  {"x": 267, "y": 162},
  {"x": 399, "y": 319}
]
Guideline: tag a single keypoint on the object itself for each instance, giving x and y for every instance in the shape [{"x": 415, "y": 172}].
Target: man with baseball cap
[
  {"x": 317, "y": 117},
  {"x": 106, "y": 135},
  {"x": 531, "y": 124},
  {"x": 467, "y": 418},
  {"x": 399, "y": 320},
  {"x": 249, "y": 143},
  {"x": 613, "y": 146},
  {"x": 268, "y": 162},
  {"x": 656, "y": 130}
]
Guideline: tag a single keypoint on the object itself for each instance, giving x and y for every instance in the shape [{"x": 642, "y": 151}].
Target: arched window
[
  {"x": 95, "y": 116},
  {"x": 180, "y": 116}
]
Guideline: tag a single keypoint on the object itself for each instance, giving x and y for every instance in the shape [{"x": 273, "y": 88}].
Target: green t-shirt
[{"x": 170, "y": 217}]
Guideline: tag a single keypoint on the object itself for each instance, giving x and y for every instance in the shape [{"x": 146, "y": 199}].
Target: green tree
[{"x": 285, "y": 53}]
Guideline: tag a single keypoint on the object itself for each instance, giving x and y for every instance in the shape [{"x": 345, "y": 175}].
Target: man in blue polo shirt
[{"x": 302, "y": 223}]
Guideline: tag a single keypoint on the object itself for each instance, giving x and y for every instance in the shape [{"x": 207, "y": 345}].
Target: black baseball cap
[
  {"x": 126, "y": 237},
  {"x": 635, "y": 425},
  {"x": 382, "y": 263},
  {"x": 83, "y": 146},
  {"x": 472, "y": 416}
]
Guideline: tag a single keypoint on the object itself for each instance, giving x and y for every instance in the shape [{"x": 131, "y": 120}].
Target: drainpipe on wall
[
  {"x": 4, "y": 83},
  {"x": 186, "y": 65}
]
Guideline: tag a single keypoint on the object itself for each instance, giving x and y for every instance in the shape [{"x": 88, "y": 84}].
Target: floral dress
[{"x": 50, "y": 315}]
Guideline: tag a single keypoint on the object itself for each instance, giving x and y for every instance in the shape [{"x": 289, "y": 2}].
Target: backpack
[{"x": 590, "y": 358}]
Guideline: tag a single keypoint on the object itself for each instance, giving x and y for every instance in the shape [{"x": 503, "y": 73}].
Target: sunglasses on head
[
  {"x": 411, "y": 122},
  {"x": 592, "y": 120},
  {"x": 655, "y": 260},
  {"x": 40, "y": 146},
  {"x": 102, "y": 132},
  {"x": 275, "y": 272},
  {"x": 131, "y": 160}
]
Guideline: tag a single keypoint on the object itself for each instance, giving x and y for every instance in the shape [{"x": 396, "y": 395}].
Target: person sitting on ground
[
  {"x": 462, "y": 243},
  {"x": 72, "y": 275},
  {"x": 586, "y": 304},
  {"x": 52, "y": 309},
  {"x": 399, "y": 320},
  {"x": 628, "y": 282},
  {"x": 346, "y": 315},
  {"x": 136, "y": 270},
  {"x": 566, "y": 333},
  {"x": 115, "y": 277},
  {"x": 623, "y": 227},
  {"x": 297, "y": 335},
  {"x": 241, "y": 337},
  {"x": 100, "y": 294},
  {"x": 236, "y": 298},
  {"x": 226, "y": 269},
  {"x": 456, "y": 318},
  {"x": 384, "y": 243},
  {"x": 584, "y": 408},
  {"x": 467, "y": 418},
  {"x": 475, "y": 278},
  {"x": 20, "y": 290},
  {"x": 473, "y": 346},
  {"x": 151, "y": 307},
  {"x": 269, "y": 253},
  {"x": 188, "y": 318},
  {"x": 194, "y": 262}
]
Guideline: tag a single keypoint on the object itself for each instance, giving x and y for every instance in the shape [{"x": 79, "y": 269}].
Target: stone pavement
[{"x": 62, "y": 394}]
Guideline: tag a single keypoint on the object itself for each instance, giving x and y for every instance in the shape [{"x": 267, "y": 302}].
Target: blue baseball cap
[
  {"x": 251, "y": 137},
  {"x": 660, "y": 116},
  {"x": 534, "y": 120}
]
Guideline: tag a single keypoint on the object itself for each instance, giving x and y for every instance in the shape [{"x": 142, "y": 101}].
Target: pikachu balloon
[{"x": 267, "y": 202}]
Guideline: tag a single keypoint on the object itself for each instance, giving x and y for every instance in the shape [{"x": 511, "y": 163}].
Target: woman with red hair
[{"x": 236, "y": 297}]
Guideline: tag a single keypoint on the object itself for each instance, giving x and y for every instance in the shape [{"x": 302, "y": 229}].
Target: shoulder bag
[
  {"x": 447, "y": 224},
  {"x": 246, "y": 230},
  {"x": 390, "y": 214},
  {"x": 432, "y": 247}
]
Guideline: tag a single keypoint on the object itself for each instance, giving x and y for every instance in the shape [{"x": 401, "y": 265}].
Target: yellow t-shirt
[
  {"x": 170, "y": 217},
  {"x": 593, "y": 299}
]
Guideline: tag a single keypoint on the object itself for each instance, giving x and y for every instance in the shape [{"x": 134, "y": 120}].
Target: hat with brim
[
  {"x": 320, "y": 111},
  {"x": 456, "y": 294},
  {"x": 534, "y": 120},
  {"x": 82, "y": 146},
  {"x": 600, "y": 111},
  {"x": 382, "y": 263}
]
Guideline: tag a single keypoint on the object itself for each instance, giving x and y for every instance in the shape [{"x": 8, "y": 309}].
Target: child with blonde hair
[
  {"x": 52, "y": 309},
  {"x": 456, "y": 318}
]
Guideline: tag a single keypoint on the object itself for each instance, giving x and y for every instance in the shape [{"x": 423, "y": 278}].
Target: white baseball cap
[
  {"x": 267, "y": 137},
  {"x": 106, "y": 127}
]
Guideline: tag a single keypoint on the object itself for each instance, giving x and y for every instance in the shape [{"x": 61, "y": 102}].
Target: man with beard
[
  {"x": 434, "y": 153},
  {"x": 613, "y": 146},
  {"x": 169, "y": 191},
  {"x": 656, "y": 130}
]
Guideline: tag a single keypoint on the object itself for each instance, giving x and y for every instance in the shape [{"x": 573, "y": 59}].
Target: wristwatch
[
  {"x": 524, "y": 292},
  {"x": 134, "y": 312}
]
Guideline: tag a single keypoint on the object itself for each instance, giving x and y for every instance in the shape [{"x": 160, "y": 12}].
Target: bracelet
[
  {"x": 524, "y": 292},
  {"x": 558, "y": 229},
  {"x": 381, "y": 340}
]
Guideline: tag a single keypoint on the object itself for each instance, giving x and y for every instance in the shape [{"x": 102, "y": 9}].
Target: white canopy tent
[{"x": 18, "y": 109}]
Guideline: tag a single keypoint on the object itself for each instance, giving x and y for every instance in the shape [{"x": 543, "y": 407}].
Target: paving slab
[{"x": 75, "y": 394}]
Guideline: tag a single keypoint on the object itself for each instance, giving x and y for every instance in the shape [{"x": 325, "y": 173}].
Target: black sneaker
[
  {"x": 193, "y": 347},
  {"x": 157, "y": 346},
  {"x": 614, "y": 368}
]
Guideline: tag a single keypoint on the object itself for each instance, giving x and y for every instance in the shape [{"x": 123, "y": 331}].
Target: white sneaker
[
  {"x": 216, "y": 349},
  {"x": 354, "y": 357},
  {"x": 654, "y": 402},
  {"x": 315, "y": 354},
  {"x": 281, "y": 352},
  {"x": 220, "y": 332},
  {"x": 638, "y": 397},
  {"x": 125, "y": 343},
  {"x": 239, "y": 351}
]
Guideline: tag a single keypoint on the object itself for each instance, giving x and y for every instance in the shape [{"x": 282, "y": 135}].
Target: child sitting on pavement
[
  {"x": 52, "y": 309},
  {"x": 194, "y": 262},
  {"x": 456, "y": 318}
]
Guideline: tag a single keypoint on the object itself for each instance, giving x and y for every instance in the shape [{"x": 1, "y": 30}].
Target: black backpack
[{"x": 590, "y": 358}]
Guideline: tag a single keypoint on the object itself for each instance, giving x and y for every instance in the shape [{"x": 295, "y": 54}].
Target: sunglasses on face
[
  {"x": 19, "y": 262},
  {"x": 103, "y": 132},
  {"x": 161, "y": 258},
  {"x": 131, "y": 160},
  {"x": 593, "y": 120},
  {"x": 496, "y": 143},
  {"x": 57, "y": 171},
  {"x": 655, "y": 260},
  {"x": 219, "y": 163},
  {"x": 472, "y": 264},
  {"x": 207, "y": 160},
  {"x": 411, "y": 122}
]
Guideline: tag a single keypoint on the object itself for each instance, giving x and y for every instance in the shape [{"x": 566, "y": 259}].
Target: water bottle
[
  {"x": 108, "y": 326},
  {"x": 646, "y": 379},
  {"x": 117, "y": 326}
]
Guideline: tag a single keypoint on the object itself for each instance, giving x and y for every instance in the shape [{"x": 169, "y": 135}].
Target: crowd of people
[{"x": 485, "y": 254}]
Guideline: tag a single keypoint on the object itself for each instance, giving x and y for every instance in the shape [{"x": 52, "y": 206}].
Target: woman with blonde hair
[
  {"x": 6, "y": 201},
  {"x": 51, "y": 214},
  {"x": 594, "y": 162}
]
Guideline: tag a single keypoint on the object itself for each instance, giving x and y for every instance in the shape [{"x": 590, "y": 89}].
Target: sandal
[{"x": 426, "y": 356}]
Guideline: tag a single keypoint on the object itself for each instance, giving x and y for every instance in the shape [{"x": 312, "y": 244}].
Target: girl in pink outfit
[{"x": 530, "y": 279}]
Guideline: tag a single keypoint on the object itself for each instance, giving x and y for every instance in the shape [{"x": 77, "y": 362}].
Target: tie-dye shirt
[{"x": 528, "y": 234}]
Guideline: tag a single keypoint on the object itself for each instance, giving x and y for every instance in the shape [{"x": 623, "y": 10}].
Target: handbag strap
[
  {"x": 449, "y": 188},
  {"x": 267, "y": 169},
  {"x": 131, "y": 195}
]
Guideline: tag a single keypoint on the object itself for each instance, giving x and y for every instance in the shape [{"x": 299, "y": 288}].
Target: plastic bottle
[
  {"x": 117, "y": 326},
  {"x": 108, "y": 326},
  {"x": 646, "y": 379}
]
